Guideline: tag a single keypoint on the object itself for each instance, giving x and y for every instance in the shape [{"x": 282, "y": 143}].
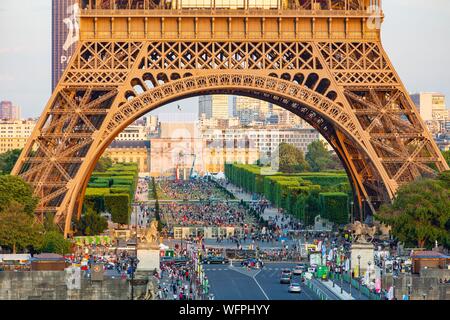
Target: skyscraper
[
  {"x": 214, "y": 106},
  {"x": 249, "y": 109},
  {"x": 8, "y": 111},
  {"x": 65, "y": 34}
]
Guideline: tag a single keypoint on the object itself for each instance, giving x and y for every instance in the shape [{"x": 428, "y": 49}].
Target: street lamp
[
  {"x": 351, "y": 211},
  {"x": 409, "y": 290},
  {"x": 133, "y": 264},
  {"x": 359, "y": 274},
  {"x": 350, "y": 271}
]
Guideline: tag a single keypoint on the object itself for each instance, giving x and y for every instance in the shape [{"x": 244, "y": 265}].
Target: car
[
  {"x": 215, "y": 260},
  {"x": 299, "y": 269},
  {"x": 295, "y": 287},
  {"x": 250, "y": 262},
  {"x": 286, "y": 276},
  {"x": 180, "y": 261},
  {"x": 166, "y": 259}
]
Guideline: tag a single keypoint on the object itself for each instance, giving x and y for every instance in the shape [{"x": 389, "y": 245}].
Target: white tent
[
  {"x": 220, "y": 176},
  {"x": 15, "y": 257},
  {"x": 162, "y": 246}
]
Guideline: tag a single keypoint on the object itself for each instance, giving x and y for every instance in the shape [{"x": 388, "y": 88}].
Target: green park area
[{"x": 303, "y": 195}]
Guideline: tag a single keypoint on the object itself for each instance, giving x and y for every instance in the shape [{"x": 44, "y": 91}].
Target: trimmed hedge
[
  {"x": 119, "y": 206},
  {"x": 113, "y": 191},
  {"x": 297, "y": 193},
  {"x": 334, "y": 206}
]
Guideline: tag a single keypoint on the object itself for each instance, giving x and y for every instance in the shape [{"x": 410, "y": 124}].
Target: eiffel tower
[{"x": 320, "y": 59}]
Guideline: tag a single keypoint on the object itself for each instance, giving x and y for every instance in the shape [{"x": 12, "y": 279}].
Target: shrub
[{"x": 119, "y": 207}]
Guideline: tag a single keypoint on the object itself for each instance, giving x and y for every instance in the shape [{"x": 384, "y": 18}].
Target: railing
[
  {"x": 312, "y": 5},
  {"x": 231, "y": 12},
  {"x": 308, "y": 7},
  {"x": 316, "y": 290},
  {"x": 355, "y": 284}
]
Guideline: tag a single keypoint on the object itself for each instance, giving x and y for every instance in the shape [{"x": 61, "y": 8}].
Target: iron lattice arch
[{"x": 342, "y": 83}]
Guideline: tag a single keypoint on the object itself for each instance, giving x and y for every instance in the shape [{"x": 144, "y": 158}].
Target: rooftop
[
  {"x": 129, "y": 144},
  {"x": 430, "y": 255}
]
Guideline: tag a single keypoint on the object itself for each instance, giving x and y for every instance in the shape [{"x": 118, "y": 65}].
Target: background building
[
  {"x": 130, "y": 151},
  {"x": 264, "y": 140},
  {"x": 432, "y": 109},
  {"x": 14, "y": 134},
  {"x": 133, "y": 133},
  {"x": 64, "y": 35},
  {"x": 250, "y": 110},
  {"x": 213, "y": 106},
  {"x": 9, "y": 112}
]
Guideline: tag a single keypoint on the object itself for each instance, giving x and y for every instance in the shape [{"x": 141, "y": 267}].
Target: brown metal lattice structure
[{"x": 322, "y": 60}]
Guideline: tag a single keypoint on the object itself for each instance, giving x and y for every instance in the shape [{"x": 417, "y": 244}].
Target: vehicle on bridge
[
  {"x": 286, "y": 276},
  {"x": 250, "y": 262},
  {"x": 295, "y": 287},
  {"x": 322, "y": 272},
  {"x": 299, "y": 269}
]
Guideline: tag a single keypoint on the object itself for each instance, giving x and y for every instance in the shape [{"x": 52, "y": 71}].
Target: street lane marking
[{"x": 254, "y": 278}]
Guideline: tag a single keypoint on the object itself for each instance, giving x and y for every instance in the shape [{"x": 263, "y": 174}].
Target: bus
[{"x": 322, "y": 272}]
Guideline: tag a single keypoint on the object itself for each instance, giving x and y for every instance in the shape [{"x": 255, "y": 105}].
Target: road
[{"x": 236, "y": 283}]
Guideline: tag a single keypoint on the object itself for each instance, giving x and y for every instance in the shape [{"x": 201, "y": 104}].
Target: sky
[{"x": 415, "y": 34}]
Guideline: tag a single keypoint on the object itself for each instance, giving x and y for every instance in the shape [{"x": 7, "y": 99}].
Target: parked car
[{"x": 215, "y": 260}]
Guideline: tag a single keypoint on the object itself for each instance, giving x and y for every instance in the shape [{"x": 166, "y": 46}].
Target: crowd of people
[
  {"x": 181, "y": 282},
  {"x": 198, "y": 189},
  {"x": 208, "y": 214},
  {"x": 121, "y": 262}
]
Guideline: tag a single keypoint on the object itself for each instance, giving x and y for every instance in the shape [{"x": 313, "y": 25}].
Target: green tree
[
  {"x": 13, "y": 188},
  {"x": 103, "y": 164},
  {"x": 318, "y": 157},
  {"x": 446, "y": 155},
  {"x": 291, "y": 159},
  {"x": 54, "y": 242},
  {"x": 420, "y": 213},
  {"x": 157, "y": 215},
  {"x": 18, "y": 229},
  {"x": 91, "y": 223},
  {"x": 8, "y": 160},
  {"x": 49, "y": 224},
  {"x": 444, "y": 178}
]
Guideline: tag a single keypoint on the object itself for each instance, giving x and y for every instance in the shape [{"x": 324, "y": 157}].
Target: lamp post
[
  {"x": 359, "y": 274},
  {"x": 133, "y": 264},
  {"x": 409, "y": 290},
  {"x": 351, "y": 211},
  {"x": 368, "y": 282},
  {"x": 342, "y": 277},
  {"x": 350, "y": 271}
]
